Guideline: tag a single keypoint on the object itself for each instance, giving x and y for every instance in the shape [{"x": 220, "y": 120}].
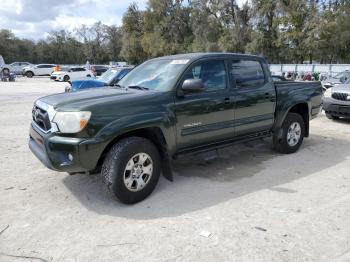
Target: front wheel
[
  {"x": 29, "y": 74},
  {"x": 131, "y": 169},
  {"x": 66, "y": 78},
  {"x": 290, "y": 137}
]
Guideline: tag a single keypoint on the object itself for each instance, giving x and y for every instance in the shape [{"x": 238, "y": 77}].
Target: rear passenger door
[{"x": 255, "y": 97}]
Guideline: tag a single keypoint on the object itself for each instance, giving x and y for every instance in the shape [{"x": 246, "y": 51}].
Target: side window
[
  {"x": 212, "y": 73},
  {"x": 247, "y": 74}
]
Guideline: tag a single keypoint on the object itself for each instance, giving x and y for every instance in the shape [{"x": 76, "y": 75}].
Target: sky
[{"x": 33, "y": 19}]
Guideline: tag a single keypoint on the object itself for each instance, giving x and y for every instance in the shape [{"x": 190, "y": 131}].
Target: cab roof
[{"x": 196, "y": 56}]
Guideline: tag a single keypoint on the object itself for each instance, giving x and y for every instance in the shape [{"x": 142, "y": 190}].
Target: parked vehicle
[
  {"x": 16, "y": 67},
  {"x": 38, "y": 70},
  {"x": 166, "y": 107},
  {"x": 336, "y": 101},
  {"x": 99, "y": 69},
  {"x": 71, "y": 73},
  {"x": 2, "y": 69},
  {"x": 337, "y": 79},
  {"x": 109, "y": 78}
]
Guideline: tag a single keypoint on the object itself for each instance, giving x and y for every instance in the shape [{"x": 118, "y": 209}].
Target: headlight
[
  {"x": 71, "y": 122},
  {"x": 328, "y": 93}
]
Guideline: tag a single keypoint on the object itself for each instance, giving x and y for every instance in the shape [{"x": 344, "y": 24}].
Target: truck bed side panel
[{"x": 291, "y": 93}]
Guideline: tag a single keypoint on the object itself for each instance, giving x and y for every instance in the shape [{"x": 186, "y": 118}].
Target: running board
[{"x": 223, "y": 144}]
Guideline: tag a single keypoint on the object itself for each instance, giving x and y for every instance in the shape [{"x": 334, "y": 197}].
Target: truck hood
[
  {"x": 87, "y": 83},
  {"x": 86, "y": 98}
]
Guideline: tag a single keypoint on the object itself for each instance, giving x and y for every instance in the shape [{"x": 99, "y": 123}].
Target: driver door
[{"x": 206, "y": 116}]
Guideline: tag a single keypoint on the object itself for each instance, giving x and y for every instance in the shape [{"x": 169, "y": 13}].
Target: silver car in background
[
  {"x": 338, "y": 79},
  {"x": 336, "y": 101}
]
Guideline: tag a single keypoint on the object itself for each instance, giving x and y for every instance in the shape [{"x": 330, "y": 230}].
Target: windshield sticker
[{"x": 180, "y": 62}]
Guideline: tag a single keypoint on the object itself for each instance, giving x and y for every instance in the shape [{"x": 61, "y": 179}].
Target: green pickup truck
[{"x": 166, "y": 107}]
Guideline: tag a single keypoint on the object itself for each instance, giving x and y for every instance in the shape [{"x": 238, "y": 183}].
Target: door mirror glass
[{"x": 193, "y": 86}]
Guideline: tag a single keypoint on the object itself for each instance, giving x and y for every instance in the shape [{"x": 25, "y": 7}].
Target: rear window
[{"x": 248, "y": 73}]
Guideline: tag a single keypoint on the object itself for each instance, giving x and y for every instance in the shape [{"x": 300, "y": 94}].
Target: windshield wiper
[{"x": 139, "y": 87}]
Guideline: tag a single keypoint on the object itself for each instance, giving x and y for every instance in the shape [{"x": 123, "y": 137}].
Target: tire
[
  {"x": 29, "y": 74},
  {"x": 119, "y": 169},
  {"x": 88, "y": 76},
  {"x": 6, "y": 71},
  {"x": 329, "y": 116},
  {"x": 288, "y": 140},
  {"x": 66, "y": 78}
]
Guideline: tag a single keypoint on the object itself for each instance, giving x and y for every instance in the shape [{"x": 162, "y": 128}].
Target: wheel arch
[
  {"x": 303, "y": 110},
  {"x": 155, "y": 135}
]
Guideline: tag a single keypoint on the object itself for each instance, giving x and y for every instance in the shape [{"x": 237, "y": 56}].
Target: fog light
[{"x": 70, "y": 157}]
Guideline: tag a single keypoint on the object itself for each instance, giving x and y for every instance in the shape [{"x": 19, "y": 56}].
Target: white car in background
[
  {"x": 38, "y": 70},
  {"x": 16, "y": 67},
  {"x": 70, "y": 74}
]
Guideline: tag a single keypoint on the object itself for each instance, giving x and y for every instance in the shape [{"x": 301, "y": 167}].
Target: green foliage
[{"x": 283, "y": 31}]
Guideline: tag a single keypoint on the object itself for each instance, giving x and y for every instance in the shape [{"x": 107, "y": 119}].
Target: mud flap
[{"x": 166, "y": 167}]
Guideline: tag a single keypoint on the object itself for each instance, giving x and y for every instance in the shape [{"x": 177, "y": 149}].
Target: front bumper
[
  {"x": 336, "y": 107},
  {"x": 64, "y": 154}
]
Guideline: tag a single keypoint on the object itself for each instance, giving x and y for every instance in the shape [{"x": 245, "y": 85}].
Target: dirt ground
[{"x": 258, "y": 205}]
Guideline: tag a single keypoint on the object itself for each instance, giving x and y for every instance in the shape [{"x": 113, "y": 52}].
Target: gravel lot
[{"x": 258, "y": 205}]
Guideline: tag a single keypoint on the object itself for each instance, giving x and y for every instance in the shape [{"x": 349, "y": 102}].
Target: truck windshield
[{"x": 160, "y": 74}]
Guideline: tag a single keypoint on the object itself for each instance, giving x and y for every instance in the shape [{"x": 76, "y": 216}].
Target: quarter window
[
  {"x": 212, "y": 73},
  {"x": 247, "y": 74}
]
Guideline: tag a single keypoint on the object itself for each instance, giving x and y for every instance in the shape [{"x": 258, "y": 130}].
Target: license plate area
[{"x": 344, "y": 109}]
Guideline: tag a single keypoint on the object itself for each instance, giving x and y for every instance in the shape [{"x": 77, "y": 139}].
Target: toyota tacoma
[{"x": 166, "y": 107}]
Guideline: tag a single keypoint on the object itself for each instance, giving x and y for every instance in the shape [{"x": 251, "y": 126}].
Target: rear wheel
[
  {"x": 290, "y": 137},
  {"x": 29, "y": 74},
  {"x": 329, "y": 116},
  {"x": 6, "y": 71},
  {"x": 131, "y": 169},
  {"x": 66, "y": 78}
]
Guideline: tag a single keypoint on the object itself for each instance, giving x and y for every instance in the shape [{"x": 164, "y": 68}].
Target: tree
[
  {"x": 94, "y": 39},
  {"x": 132, "y": 50}
]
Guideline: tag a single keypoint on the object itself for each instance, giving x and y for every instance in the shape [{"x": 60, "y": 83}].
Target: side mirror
[{"x": 192, "y": 86}]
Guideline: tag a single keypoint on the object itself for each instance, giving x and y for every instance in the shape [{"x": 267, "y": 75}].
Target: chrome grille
[
  {"x": 341, "y": 96},
  {"x": 41, "y": 118}
]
